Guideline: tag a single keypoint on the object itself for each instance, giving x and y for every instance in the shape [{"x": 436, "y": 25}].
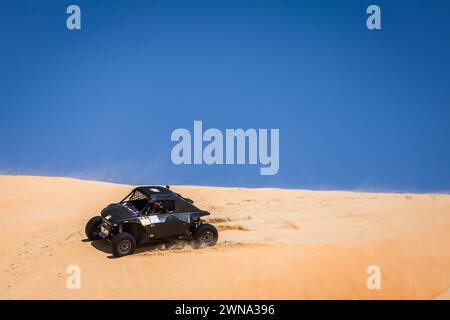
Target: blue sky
[{"x": 356, "y": 109}]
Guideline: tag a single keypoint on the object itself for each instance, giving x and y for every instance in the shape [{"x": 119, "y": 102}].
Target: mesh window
[{"x": 138, "y": 196}]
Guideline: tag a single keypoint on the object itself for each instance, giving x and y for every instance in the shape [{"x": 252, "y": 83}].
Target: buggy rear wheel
[
  {"x": 205, "y": 235},
  {"x": 123, "y": 244},
  {"x": 93, "y": 228}
]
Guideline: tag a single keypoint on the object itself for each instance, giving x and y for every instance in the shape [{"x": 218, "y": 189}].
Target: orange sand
[{"x": 274, "y": 244}]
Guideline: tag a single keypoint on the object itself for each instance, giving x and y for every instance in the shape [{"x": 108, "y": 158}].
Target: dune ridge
[{"x": 274, "y": 244}]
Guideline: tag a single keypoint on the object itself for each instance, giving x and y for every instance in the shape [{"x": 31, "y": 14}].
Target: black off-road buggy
[{"x": 151, "y": 213}]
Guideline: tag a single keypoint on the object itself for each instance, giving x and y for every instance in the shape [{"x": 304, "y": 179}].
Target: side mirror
[{"x": 167, "y": 187}]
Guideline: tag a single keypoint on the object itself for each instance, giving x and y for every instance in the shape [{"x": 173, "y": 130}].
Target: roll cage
[{"x": 143, "y": 200}]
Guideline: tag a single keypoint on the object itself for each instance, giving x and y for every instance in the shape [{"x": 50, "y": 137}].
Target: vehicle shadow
[
  {"x": 102, "y": 245},
  {"x": 105, "y": 247}
]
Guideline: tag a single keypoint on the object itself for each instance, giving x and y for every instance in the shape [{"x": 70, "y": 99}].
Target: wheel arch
[{"x": 136, "y": 230}]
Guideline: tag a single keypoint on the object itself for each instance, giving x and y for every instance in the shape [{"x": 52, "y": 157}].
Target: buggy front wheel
[{"x": 93, "y": 228}]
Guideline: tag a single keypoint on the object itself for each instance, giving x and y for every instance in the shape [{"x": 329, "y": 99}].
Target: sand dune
[{"x": 274, "y": 244}]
